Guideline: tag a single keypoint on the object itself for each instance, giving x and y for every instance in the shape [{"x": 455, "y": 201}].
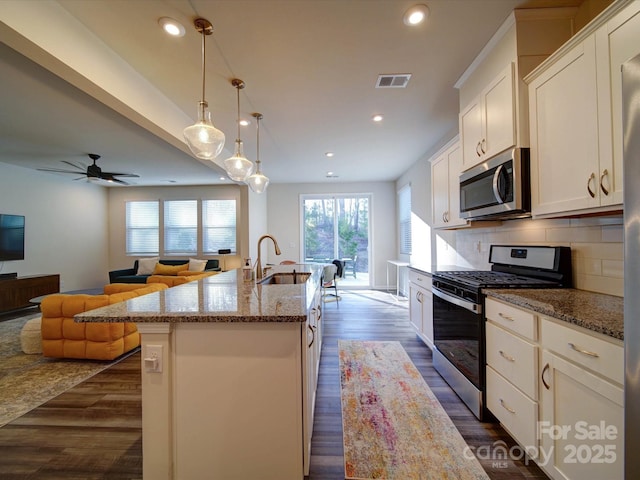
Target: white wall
[
  {"x": 283, "y": 207},
  {"x": 66, "y": 226},
  {"x": 258, "y": 224},
  {"x": 118, "y": 197}
]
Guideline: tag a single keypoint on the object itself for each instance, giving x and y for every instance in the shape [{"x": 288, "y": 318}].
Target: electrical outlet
[{"x": 153, "y": 358}]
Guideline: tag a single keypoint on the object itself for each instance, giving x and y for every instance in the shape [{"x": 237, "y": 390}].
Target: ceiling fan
[{"x": 93, "y": 171}]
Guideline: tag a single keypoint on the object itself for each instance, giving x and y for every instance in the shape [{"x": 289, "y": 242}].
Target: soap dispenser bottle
[{"x": 247, "y": 273}]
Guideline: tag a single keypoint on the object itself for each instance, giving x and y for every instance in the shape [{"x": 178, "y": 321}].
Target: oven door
[{"x": 458, "y": 334}]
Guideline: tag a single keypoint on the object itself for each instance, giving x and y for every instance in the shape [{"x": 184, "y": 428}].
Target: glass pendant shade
[
  {"x": 238, "y": 167},
  {"x": 204, "y": 140},
  {"x": 258, "y": 182}
]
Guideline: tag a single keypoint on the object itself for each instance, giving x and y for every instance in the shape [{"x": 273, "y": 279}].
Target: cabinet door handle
[
  {"x": 585, "y": 352},
  {"x": 506, "y": 357},
  {"x": 478, "y": 149},
  {"x": 504, "y": 405},
  {"x": 546, "y": 385},
  {"x": 505, "y": 316},
  {"x": 483, "y": 144},
  {"x": 592, "y": 194},
  {"x": 605, "y": 173},
  {"x": 313, "y": 336}
]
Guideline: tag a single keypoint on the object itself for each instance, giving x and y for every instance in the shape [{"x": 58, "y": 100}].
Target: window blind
[
  {"x": 181, "y": 227},
  {"x": 142, "y": 228},
  {"x": 219, "y": 225},
  {"x": 404, "y": 217}
]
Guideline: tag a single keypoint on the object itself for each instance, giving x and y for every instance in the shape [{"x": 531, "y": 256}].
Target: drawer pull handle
[
  {"x": 505, "y": 316},
  {"x": 585, "y": 352},
  {"x": 504, "y": 405},
  {"x": 546, "y": 385},
  {"x": 506, "y": 357}
]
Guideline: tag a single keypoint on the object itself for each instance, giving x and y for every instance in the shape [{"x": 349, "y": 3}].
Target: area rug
[
  {"x": 28, "y": 381},
  {"x": 393, "y": 425}
]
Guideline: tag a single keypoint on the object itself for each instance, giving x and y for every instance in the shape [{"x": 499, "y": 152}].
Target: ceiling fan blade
[
  {"x": 117, "y": 180},
  {"x": 132, "y": 175},
  {"x": 60, "y": 170},
  {"x": 79, "y": 167},
  {"x": 84, "y": 177}
]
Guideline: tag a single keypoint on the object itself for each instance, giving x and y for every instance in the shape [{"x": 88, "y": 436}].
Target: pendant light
[
  {"x": 204, "y": 140},
  {"x": 258, "y": 182},
  {"x": 238, "y": 167}
]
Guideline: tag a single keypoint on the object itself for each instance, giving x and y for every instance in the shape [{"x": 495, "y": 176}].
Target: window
[
  {"x": 181, "y": 227},
  {"x": 219, "y": 225},
  {"x": 142, "y": 228},
  {"x": 181, "y": 224},
  {"x": 404, "y": 218}
]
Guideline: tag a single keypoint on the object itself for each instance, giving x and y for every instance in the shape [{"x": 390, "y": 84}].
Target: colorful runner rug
[{"x": 393, "y": 425}]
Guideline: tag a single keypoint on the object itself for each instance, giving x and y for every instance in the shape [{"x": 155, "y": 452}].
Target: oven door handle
[{"x": 472, "y": 307}]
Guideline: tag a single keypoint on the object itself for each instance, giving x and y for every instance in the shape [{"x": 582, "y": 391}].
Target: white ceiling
[{"x": 310, "y": 68}]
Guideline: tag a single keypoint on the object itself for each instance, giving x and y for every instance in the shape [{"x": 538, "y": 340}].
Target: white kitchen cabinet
[
  {"x": 445, "y": 187},
  {"x": 512, "y": 369},
  {"x": 557, "y": 389},
  {"x": 582, "y": 413},
  {"x": 575, "y": 121},
  {"x": 487, "y": 124},
  {"x": 493, "y": 97},
  {"x": 617, "y": 41},
  {"x": 312, "y": 349},
  {"x": 421, "y": 305}
]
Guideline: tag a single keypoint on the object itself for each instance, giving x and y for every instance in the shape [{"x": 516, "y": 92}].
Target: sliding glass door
[{"x": 338, "y": 227}]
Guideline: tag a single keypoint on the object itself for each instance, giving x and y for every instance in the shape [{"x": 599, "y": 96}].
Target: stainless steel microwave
[{"x": 497, "y": 189}]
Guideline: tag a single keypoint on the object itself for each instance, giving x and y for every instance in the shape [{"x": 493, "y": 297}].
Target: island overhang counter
[{"x": 229, "y": 374}]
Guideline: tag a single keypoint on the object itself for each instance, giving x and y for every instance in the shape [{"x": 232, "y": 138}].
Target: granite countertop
[
  {"x": 220, "y": 298},
  {"x": 595, "y": 311}
]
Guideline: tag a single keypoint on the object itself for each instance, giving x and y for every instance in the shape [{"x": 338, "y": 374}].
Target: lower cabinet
[
  {"x": 582, "y": 412},
  {"x": 421, "y": 305},
  {"x": 312, "y": 347},
  {"x": 557, "y": 389}
]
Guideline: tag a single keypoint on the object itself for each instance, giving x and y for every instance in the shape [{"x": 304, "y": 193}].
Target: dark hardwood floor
[{"x": 93, "y": 431}]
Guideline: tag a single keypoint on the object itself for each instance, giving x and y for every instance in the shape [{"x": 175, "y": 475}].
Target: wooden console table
[{"x": 15, "y": 293}]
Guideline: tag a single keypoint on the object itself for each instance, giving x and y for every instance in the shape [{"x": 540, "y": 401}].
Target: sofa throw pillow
[
  {"x": 146, "y": 265},
  {"x": 197, "y": 265},
  {"x": 161, "y": 269}
]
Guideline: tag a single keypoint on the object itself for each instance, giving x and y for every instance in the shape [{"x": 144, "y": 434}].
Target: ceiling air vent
[{"x": 396, "y": 80}]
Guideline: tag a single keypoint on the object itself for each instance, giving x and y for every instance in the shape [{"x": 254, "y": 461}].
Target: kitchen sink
[{"x": 285, "y": 278}]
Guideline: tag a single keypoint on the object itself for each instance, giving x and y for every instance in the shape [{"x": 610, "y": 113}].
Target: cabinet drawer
[
  {"x": 516, "y": 412},
  {"x": 420, "y": 279},
  {"x": 596, "y": 354},
  {"x": 519, "y": 321},
  {"x": 515, "y": 359}
]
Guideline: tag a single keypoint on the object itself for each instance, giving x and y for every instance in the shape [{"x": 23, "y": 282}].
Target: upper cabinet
[
  {"x": 445, "y": 187},
  {"x": 487, "y": 124},
  {"x": 493, "y": 96},
  {"x": 575, "y": 108}
]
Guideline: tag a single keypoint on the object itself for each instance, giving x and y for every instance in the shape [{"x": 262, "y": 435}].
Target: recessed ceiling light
[
  {"x": 223, "y": 178},
  {"x": 331, "y": 175},
  {"x": 329, "y": 154},
  {"x": 377, "y": 118},
  {"x": 416, "y": 15},
  {"x": 171, "y": 26},
  {"x": 245, "y": 123}
]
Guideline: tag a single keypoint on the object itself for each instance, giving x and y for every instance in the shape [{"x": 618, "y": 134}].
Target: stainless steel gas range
[{"x": 458, "y": 305}]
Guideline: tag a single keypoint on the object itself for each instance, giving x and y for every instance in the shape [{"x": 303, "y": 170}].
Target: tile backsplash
[{"x": 596, "y": 245}]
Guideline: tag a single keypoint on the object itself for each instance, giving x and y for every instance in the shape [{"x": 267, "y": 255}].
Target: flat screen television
[{"x": 11, "y": 237}]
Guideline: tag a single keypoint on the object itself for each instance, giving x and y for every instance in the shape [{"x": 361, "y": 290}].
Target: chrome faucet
[{"x": 259, "y": 272}]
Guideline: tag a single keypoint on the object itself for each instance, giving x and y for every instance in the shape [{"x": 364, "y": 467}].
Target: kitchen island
[{"x": 229, "y": 374}]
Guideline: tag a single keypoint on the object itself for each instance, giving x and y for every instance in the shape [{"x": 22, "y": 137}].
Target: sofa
[
  {"x": 62, "y": 337},
  {"x": 178, "y": 279},
  {"x": 138, "y": 275}
]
